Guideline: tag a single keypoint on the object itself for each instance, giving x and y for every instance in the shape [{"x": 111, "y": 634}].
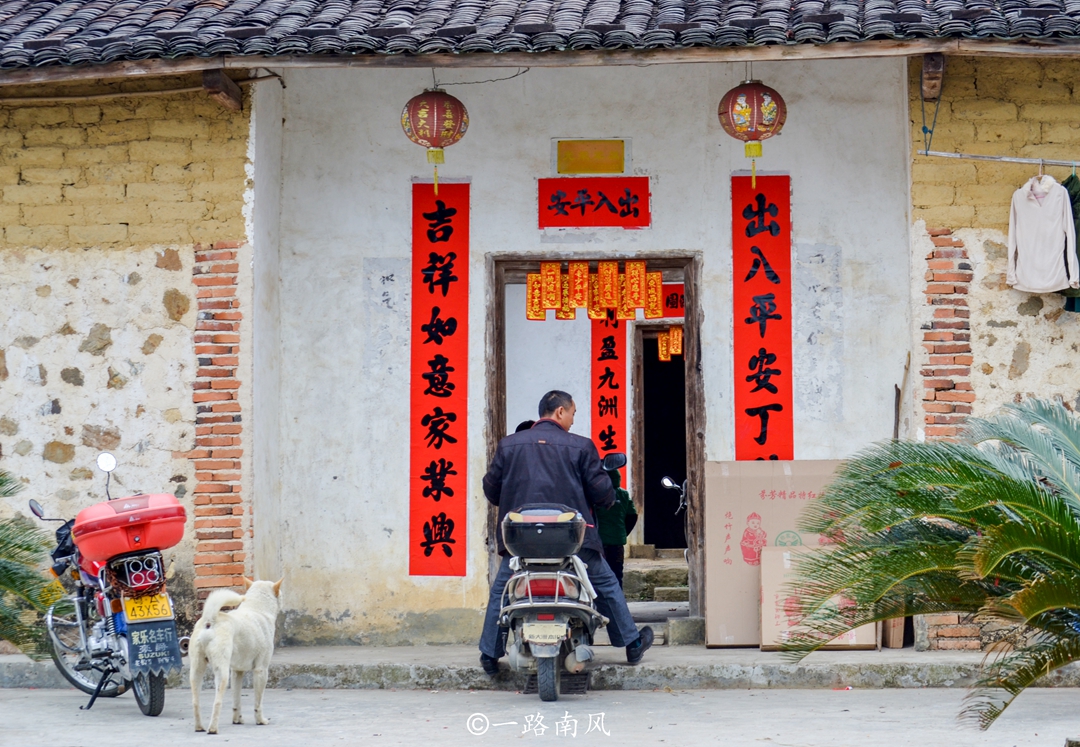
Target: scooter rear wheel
[
  {"x": 65, "y": 646},
  {"x": 547, "y": 678},
  {"x": 149, "y": 690}
]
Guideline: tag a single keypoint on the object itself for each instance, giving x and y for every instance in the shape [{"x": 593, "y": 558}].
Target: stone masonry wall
[
  {"x": 987, "y": 344},
  {"x": 109, "y": 212}
]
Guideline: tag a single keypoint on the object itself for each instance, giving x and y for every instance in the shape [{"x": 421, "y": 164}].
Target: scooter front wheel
[
  {"x": 149, "y": 690},
  {"x": 547, "y": 678}
]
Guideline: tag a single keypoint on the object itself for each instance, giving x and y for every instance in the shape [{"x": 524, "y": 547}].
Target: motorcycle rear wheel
[
  {"x": 547, "y": 678},
  {"x": 149, "y": 690},
  {"x": 65, "y": 647}
]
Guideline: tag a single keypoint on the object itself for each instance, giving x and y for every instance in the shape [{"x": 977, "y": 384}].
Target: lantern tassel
[
  {"x": 753, "y": 175},
  {"x": 436, "y": 181}
]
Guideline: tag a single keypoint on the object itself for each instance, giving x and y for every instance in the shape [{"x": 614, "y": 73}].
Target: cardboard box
[
  {"x": 778, "y": 613},
  {"x": 750, "y": 506},
  {"x": 892, "y": 632}
]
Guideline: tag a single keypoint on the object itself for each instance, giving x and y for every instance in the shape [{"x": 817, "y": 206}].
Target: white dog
[{"x": 238, "y": 641}]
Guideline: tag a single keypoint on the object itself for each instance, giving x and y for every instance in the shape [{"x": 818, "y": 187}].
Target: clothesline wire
[{"x": 1006, "y": 159}]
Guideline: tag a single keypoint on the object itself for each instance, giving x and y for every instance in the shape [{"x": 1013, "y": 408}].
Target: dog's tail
[{"x": 217, "y": 600}]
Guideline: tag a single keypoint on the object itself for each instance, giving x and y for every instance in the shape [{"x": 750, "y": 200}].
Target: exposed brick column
[
  {"x": 947, "y": 392},
  {"x": 219, "y": 506}
]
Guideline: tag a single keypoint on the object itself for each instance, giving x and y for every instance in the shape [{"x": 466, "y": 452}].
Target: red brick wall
[
  {"x": 222, "y": 516},
  {"x": 947, "y": 391}
]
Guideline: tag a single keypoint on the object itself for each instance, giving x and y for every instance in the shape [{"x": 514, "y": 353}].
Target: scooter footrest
[{"x": 569, "y": 684}]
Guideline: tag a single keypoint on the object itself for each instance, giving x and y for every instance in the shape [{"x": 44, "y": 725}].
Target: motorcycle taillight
[{"x": 546, "y": 587}]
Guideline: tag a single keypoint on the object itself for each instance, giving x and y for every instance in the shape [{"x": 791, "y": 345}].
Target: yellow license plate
[
  {"x": 154, "y": 607},
  {"x": 543, "y": 632}
]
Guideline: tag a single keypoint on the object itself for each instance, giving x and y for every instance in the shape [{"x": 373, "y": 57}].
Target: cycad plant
[
  {"x": 987, "y": 526},
  {"x": 24, "y": 590}
]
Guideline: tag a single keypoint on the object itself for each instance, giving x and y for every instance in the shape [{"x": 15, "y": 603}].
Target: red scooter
[{"x": 115, "y": 630}]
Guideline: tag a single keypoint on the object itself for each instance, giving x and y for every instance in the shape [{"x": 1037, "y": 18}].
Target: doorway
[
  {"x": 512, "y": 269},
  {"x": 663, "y": 408}
]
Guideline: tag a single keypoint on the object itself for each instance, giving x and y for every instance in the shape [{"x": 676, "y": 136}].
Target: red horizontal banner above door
[{"x": 595, "y": 202}]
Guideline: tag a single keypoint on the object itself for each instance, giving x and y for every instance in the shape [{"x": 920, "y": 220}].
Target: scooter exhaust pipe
[
  {"x": 575, "y": 661},
  {"x": 519, "y": 660}
]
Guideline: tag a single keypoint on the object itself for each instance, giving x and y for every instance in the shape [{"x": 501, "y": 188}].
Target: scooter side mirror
[
  {"x": 36, "y": 509},
  {"x": 668, "y": 483},
  {"x": 613, "y": 461},
  {"x": 106, "y": 462}
]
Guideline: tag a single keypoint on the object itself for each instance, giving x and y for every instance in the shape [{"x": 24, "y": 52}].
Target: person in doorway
[
  {"x": 547, "y": 464},
  {"x": 614, "y": 524},
  {"x": 524, "y": 425}
]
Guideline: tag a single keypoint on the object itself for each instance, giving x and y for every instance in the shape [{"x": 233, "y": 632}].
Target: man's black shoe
[
  {"x": 491, "y": 664},
  {"x": 637, "y": 649}
]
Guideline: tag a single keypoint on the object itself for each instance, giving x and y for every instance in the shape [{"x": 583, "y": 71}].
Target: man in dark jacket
[{"x": 547, "y": 464}]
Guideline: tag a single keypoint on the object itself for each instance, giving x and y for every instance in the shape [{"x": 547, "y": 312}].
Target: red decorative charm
[{"x": 752, "y": 112}]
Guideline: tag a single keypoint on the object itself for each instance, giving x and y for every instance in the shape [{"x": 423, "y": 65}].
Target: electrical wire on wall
[{"x": 436, "y": 84}]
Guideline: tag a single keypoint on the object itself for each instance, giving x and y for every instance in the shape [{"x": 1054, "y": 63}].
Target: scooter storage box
[
  {"x": 543, "y": 530},
  {"x": 138, "y": 523}
]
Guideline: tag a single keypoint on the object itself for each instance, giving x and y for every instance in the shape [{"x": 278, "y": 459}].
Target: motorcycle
[
  {"x": 549, "y": 605},
  {"x": 116, "y": 630}
]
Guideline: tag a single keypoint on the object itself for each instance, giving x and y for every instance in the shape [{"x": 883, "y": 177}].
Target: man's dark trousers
[
  {"x": 614, "y": 555},
  {"x": 610, "y": 602}
]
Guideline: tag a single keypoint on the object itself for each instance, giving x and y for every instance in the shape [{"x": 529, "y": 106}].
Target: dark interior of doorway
[{"x": 664, "y": 405}]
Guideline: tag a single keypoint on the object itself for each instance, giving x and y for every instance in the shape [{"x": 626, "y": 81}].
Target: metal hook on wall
[{"x": 1040, "y": 167}]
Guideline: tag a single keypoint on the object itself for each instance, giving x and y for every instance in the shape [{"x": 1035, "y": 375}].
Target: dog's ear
[
  {"x": 277, "y": 586},
  {"x": 247, "y": 582}
]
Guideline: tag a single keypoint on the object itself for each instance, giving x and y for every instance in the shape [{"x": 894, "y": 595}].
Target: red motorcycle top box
[{"x": 138, "y": 523}]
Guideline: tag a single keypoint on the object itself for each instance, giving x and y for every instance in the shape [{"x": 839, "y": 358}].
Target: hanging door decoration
[
  {"x": 761, "y": 273},
  {"x": 674, "y": 300},
  {"x": 609, "y": 386},
  {"x": 438, "y": 418},
  {"x": 594, "y": 202}
]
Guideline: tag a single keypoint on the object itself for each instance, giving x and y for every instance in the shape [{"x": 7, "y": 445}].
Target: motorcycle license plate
[
  {"x": 155, "y": 607},
  {"x": 543, "y": 632}
]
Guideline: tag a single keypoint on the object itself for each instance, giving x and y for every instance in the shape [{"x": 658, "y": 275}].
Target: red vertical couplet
[
  {"x": 609, "y": 389},
  {"x": 761, "y": 300},
  {"x": 439, "y": 374}
]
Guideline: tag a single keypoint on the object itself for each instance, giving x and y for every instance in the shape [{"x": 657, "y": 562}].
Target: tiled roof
[{"x": 48, "y": 32}]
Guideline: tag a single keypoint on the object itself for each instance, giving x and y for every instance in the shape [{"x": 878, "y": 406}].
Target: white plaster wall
[
  {"x": 541, "y": 356},
  {"x": 345, "y": 244},
  {"x": 266, "y": 125}
]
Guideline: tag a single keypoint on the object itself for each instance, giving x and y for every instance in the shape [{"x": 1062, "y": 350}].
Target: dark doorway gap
[{"x": 664, "y": 405}]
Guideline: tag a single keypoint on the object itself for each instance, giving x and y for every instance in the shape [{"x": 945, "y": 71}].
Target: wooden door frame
[{"x": 501, "y": 269}]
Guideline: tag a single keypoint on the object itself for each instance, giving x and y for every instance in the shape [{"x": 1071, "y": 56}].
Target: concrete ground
[
  {"x": 678, "y": 667},
  {"x": 791, "y": 718}
]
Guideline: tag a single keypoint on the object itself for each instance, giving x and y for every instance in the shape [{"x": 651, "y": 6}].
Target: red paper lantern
[
  {"x": 435, "y": 120},
  {"x": 752, "y": 112}
]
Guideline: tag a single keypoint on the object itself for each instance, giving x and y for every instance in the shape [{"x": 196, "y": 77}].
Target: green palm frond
[
  {"x": 1011, "y": 673},
  {"x": 988, "y": 526},
  {"x": 25, "y": 591},
  {"x": 9, "y": 486}
]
